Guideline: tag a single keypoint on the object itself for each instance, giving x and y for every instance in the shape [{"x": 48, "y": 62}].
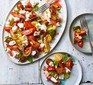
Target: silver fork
[
  {"x": 83, "y": 23},
  {"x": 44, "y": 7}
]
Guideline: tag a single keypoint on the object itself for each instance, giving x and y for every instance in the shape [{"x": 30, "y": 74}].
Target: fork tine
[{"x": 82, "y": 24}]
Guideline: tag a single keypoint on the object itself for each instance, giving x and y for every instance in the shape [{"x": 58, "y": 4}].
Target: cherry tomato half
[
  {"x": 27, "y": 51},
  {"x": 69, "y": 64},
  {"x": 50, "y": 69},
  {"x": 15, "y": 14},
  {"x": 13, "y": 47},
  {"x": 34, "y": 44},
  {"x": 7, "y": 29},
  {"x": 80, "y": 44},
  {"x": 20, "y": 6}
]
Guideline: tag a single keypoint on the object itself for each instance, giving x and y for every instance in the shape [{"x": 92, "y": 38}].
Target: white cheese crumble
[
  {"x": 80, "y": 37},
  {"x": 36, "y": 33},
  {"x": 28, "y": 14},
  {"x": 22, "y": 12},
  {"x": 15, "y": 53},
  {"x": 12, "y": 42},
  {"x": 42, "y": 45},
  {"x": 61, "y": 76},
  {"x": 58, "y": 24},
  {"x": 67, "y": 70},
  {"x": 16, "y": 18},
  {"x": 33, "y": 53},
  {"x": 25, "y": 40},
  {"x": 14, "y": 28},
  {"x": 53, "y": 79},
  {"x": 21, "y": 25},
  {"x": 51, "y": 64},
  {"x": 8, "y": 50},
  {"x": 43, "y": 27}
]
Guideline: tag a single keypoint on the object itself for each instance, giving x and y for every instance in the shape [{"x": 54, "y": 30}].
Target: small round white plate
[{"x": 75, "y": 77}]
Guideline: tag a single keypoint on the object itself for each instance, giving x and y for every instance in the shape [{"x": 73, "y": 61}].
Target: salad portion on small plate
[
  {"x": 78, "y": 35},
  {"x": 28, "y": 36},
  {"x": 61, "y": 68}
]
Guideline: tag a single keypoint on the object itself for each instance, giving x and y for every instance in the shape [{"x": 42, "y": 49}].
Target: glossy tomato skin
[
  {"x": 7, "y": 28},
  {"x": 82, "y": 32},
  {"x": 28, "y": 25},
  {"x": 28, "y": 32},
  {"x": 29, "y": 4},
  {"x": 15, "y": 14},
  {"x": 20, "y": 6},
  {"x": 11, "y": 53},
  {"x": 80, "y": 44},
  {"x": 69, "y": 63},
  {"x": 23, "y": 59},
  {"x": 27, "y": 51},
  {"x": 31, "y": 37},
  {"x": 13, "y": 47},
  {"x": 49, "y": 78},
  {"x": 50, "y": 69},
  {"x": 34, "y": 44}
]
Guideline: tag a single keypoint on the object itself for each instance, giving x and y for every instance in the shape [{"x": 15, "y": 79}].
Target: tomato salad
[
  {"x": 30, "y": 34},
  {"x": 79, "y": 36},
  {"x": 58, "y": 68}
]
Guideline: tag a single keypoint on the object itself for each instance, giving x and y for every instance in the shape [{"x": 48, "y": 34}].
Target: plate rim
[
  {"x": 12, "y": 7},
  {"x": 70, "y": 31},
  {"x": 64, "y": 53}
]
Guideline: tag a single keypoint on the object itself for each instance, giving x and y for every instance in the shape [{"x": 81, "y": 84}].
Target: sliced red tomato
[
  {"x": 13, "y": 47},
  {"x": 76, "y": 40},
  {"x": 31, "y": 37},
  {"x": 27, "y": 51},
  {"x": 82, "y": 32},
  {"x": 29, "y": 4},
  {"x": 7, "y": 28},
  {"x": 80, "y": 43},
  {"x": 23, "y": 59},
  {"x": 33, "y": 13},
  {"x": 49, "y": 77},
  {"x": 40, "y": 49},
  {"x": 69, "y": 64},
  {"x": 57, "y": 4},
  {"x": 20, "y": 6},
  {"x": 15, "y": 14},
  {"x": 11, "y": 53},
  {"x": 28, "y": 25},
  {"x": 28, "y": 32},
  {"x": 50, "y": 69},
  {"x": 34, "y": 44},
  {"x": 53, "y": 22}
]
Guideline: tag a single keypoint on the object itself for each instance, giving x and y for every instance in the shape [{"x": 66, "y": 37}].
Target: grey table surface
[{"x": 11, "y": 73}]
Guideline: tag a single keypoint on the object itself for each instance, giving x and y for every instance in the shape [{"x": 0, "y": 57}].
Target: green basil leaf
[
  {"x": 11, "y": 21},
  {"x": 19, "y": 54},
  {"x": 36, "y": 8},
  {"x": 30, "y": 58},
  {"x": 55, "y": 63},
  {"x": 17, "y": 10},
  {"x": 51, "y": 32},
  {"x": 39, "y": 20},
  {"x": 65, "y": 58},
  {"x": 52, "y": 74}
]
